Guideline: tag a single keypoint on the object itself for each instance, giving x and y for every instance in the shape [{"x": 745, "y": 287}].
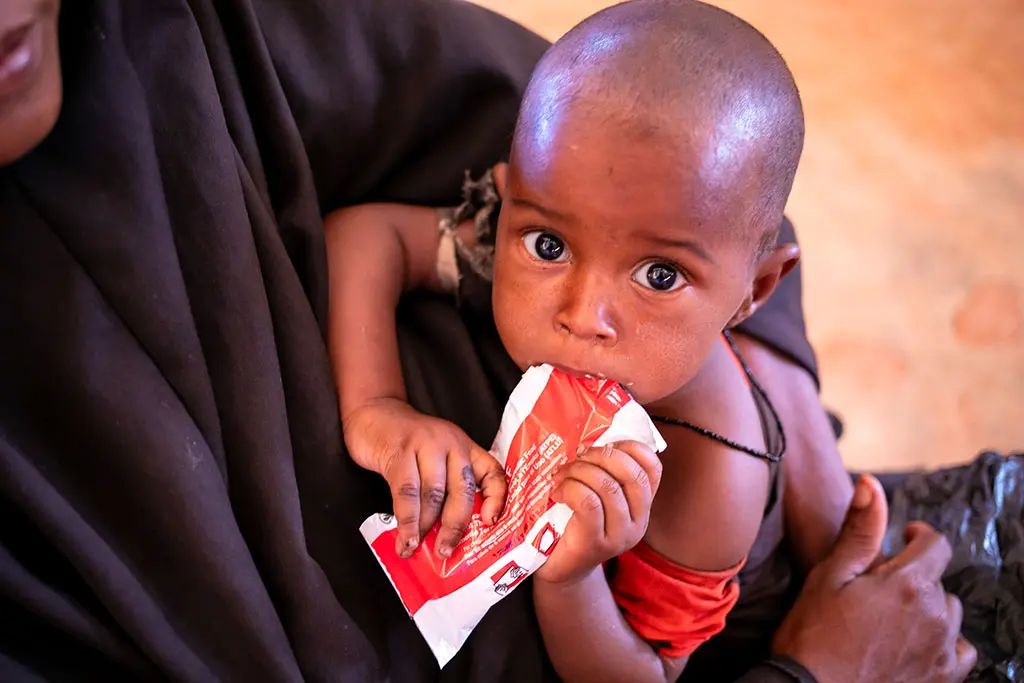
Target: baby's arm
[
  {"x": 818, "y": 487},
  {"x": 704, "y": 517},
  {"x": 375, "y": 252}
]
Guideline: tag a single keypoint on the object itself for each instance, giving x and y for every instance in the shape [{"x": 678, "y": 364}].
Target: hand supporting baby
[{"x": 432, "y": 468}]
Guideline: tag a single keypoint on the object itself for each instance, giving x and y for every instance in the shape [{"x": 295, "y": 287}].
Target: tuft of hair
[{"x": 680, "y": 68}]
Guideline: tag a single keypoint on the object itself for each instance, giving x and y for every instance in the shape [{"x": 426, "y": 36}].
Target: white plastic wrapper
[{"x": 550, "y": 418}]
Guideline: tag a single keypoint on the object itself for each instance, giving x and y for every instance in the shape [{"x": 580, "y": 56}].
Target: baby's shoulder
[{"x": 712, "y": 497}]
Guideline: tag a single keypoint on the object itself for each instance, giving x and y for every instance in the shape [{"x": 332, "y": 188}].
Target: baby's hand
[
  {"x": 610, "y": 489},
  {"x": 432, "y": 467}
]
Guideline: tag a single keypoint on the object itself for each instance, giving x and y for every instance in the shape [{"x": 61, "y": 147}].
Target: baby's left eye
[{"x": 661, "y": 277}]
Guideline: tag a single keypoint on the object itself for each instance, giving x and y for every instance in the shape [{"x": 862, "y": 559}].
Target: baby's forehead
[
  {"x": 641, "y": 164},
  {"x": 630, "y": 191}
]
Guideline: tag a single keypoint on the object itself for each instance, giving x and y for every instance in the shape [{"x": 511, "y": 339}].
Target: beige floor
[{"x": 910, "y": 207}]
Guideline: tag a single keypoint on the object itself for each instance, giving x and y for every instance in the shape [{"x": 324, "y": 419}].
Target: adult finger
[
  {"x": 403, "y": 479},
  {"x": 613, "y": 505},
  {"x": 954, "y": 619},
  {"x": 458, "y": 505},
  {"x": 926, "y": 554},
  {"x": 954, "y": 613},
  {"x": 627, "y": 475},
  {"x": 490, "y": 478},
  {"x": 966, "y": 658},
  {"x": 433, "y": 475},
  {"x": 860, "y": 539}
]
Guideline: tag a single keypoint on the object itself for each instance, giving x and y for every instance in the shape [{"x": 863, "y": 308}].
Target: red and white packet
[{"x": 550, "y": 418}]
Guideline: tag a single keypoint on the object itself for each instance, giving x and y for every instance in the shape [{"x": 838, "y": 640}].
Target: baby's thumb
[{"x": 860, "y": 540}]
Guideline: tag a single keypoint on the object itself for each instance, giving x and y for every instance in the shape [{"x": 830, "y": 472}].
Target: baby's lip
[
  {"x": 587, "y": 373},
  {"x": 576, "y": 371}
]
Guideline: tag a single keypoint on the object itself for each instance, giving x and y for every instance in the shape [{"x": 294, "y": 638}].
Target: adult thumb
[{"x": 860, "y": 539}]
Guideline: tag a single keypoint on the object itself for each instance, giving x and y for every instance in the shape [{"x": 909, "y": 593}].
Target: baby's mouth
[
  {"x": 576, "y": 371},
  {"x": 598, "y": 375}
]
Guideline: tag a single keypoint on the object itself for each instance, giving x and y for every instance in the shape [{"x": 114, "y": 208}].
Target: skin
[
  {"x": 618, "y": 207},
  {"x": 840, "y": 593},
  {"x": 614, "y": 205},
  {"x": 30, "y": 99},
  {"x": 614, "y": 208},
  {"x": 431, "y": 465},
  {"x": 818, "y": 487},
  {"x": 587, "y": 312},
  {"x": 862, "y": 618}
]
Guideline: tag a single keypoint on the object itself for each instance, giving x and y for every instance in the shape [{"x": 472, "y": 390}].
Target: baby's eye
[
  {"x": 545, "y": 246},
  {"x": 662, "y": 277}
]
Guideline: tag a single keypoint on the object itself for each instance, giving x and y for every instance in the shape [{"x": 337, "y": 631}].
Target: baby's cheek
[
  {"x": 667, "y": 359},
  {"x": 513, "y": 320}
]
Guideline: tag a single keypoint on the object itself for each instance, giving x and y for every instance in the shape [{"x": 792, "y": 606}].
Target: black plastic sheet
[{"x": 980, "y": 508}]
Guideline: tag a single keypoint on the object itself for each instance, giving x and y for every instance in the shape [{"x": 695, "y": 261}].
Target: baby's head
[{"x": 654, "y": 152}]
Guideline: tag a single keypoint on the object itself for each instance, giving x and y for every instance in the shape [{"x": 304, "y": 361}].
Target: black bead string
[{"x": 715, "y": 436}]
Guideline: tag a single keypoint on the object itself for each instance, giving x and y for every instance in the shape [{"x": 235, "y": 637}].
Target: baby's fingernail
[
  {"x": 410, "y": 545},
  {"x": 494, "y": 519},
  {"x": 444, "y": 551}
]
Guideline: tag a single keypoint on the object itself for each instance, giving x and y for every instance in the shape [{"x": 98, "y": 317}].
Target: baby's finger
[
  {"x": 404, "y": 480},
  {"x": 647, "y": 459},
  {"x": 490, "y": 478},
  {"x": 588, "y": 513},
  {"x": 433, "y": 469},
  {"x": 615, "y": 508},
  {"x": 636, "y": 483},
  {"x": 458, "y": 506}
]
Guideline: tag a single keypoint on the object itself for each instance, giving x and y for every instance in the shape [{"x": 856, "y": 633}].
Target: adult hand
[{"x": 863, "y": 618}]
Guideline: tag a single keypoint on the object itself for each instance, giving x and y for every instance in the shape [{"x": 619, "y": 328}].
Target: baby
[{"x": 639, "y": 214}]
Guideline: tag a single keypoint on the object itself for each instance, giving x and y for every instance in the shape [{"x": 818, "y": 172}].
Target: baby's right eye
[{"x": 545, "y": 246}]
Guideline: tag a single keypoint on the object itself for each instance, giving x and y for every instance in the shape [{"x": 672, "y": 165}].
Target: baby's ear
[
  {"x": 500, "y": 172},
  {"x": 771, "y": 268}
]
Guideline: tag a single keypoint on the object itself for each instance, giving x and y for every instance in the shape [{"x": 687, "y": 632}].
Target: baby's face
[{"x": 615, "y": 258}]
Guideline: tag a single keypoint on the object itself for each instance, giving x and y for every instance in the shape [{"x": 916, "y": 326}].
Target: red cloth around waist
[{"x": 672, "y": 607}]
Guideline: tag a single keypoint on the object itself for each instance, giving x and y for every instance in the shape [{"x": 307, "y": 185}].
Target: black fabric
[
  {"x": 980, "y": 509},
  {"x": 176, "y": 502},
  {"x": 174, "y": 495}
]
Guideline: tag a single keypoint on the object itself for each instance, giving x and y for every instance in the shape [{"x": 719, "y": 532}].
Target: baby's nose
[{"x": 586, "y": 314}]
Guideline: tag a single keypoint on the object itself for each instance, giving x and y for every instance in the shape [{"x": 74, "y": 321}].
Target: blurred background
[{"x": 909, "y": 204}]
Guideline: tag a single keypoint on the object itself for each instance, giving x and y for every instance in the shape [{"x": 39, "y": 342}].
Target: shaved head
[{"x": 685, "y": 76}]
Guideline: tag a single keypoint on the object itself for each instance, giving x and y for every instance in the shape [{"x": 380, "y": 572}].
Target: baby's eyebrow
[
  {"x": 550, "y": 213},
  {"x": 690, "y": 245}
]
